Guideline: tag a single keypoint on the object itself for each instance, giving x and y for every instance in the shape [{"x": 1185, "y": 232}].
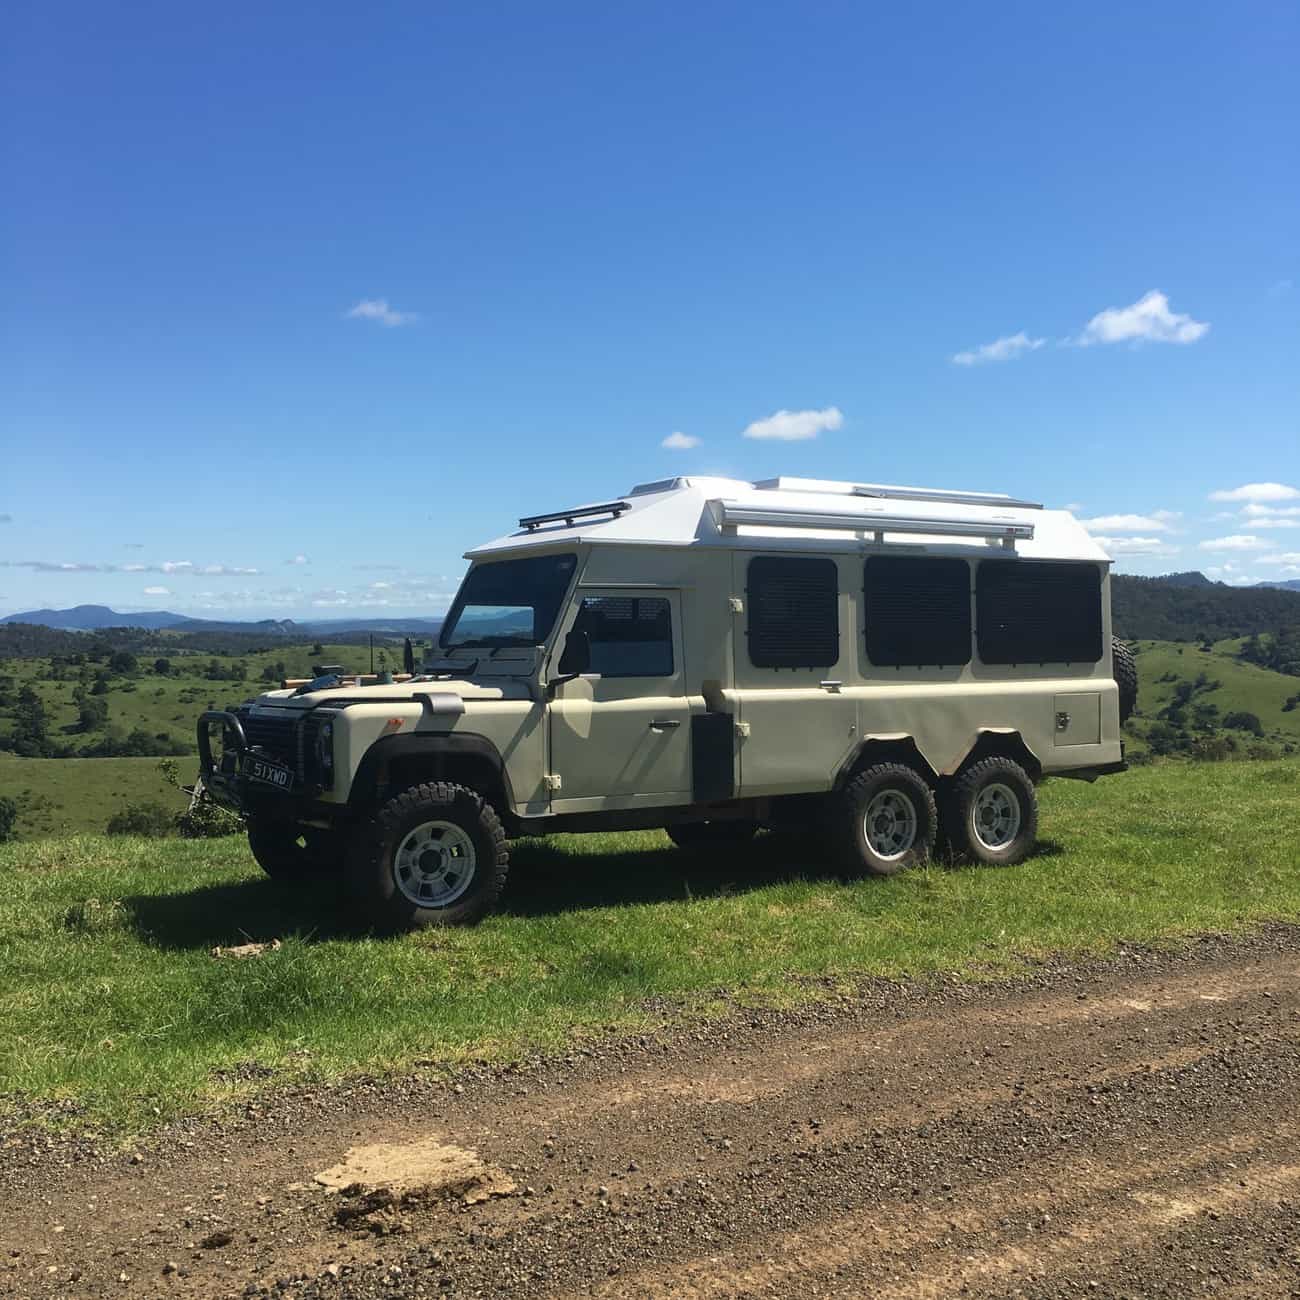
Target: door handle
[
  {"x": 664, "y": 724},
  {"x": 831, "y": 686}
]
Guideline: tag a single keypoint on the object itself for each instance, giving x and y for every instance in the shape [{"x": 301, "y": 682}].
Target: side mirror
[{"x": 576, "y": 658}]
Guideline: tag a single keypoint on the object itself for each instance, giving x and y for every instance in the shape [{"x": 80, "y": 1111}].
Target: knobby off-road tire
[
  {"x": 433, "y": 855},
  {"x": 882, "y": 821},
  {"x": 990, "y": 813},
  {"x": 1124, "y": 667},
  {"x": 700, "y": 837},
  {"x": 293, "y": 854}
]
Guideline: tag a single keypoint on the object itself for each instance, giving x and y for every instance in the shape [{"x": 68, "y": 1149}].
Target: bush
[
  {"x": 8, "y": 818},
  {"x": 1213, "y": 749},
  {"x": 1261, "y": 751},
  {"x": 1241, "y": 720},
  {"x": 207, "y": 821},
  {"x": 148, "y": 818}
]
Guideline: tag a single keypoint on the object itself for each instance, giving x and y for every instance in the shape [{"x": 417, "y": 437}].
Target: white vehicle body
[{"x": 697, "y": 720}]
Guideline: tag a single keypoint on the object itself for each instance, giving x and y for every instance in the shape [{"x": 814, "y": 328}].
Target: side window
[
  {"x": 1038, "y": 612},
  {"x": 793, "y": 608},
  {"x": 917, "y": 611},
  {"x": 631, "y": 636}
]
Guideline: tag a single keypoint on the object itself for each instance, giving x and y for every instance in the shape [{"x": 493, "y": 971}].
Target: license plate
[{"x": 262, "y": 769}]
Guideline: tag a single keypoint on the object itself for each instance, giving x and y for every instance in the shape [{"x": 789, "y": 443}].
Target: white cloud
[
  {"x": 1287, "y": 557},
  {"x": 1073, "y": 507},
  {"x": 1135, "y": 545},
  {"x": 795, "y": 426},
  {"x": 1254, "y": 511},
  {"x": 1275, "y": 523},
  {"x": 1153, "y": 523},
  {"x": 1257, "y": 492},
  {"x": 1279, "y": 287},
  {"x": 1007, "y": 348},
  {"x": 1236, "y": 542},
  {"x": 298, "y": 559},
  {"x": 1167, "y": 516},
  {"x": 377, "y": 309},
  {"x": 1148, "y": 320},
  {"x": 156, "y": 591},
  {"x": 680, "y": 442}
]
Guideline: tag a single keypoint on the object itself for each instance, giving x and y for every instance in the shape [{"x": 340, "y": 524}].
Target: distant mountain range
[
  {"x": 1195, "y": 578},
  {"x": 93, "y": 618}
]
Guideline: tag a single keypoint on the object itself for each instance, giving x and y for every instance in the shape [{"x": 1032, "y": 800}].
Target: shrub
[
  {"x": 1242, "y": 720},
  {"x": 8, "y": 817},
  {"x": 1258, "y": 750},
  {"x": 207, "y": 821},
  {"x": 147, "y": 818},
  {"x": 1213, "y": 749}
]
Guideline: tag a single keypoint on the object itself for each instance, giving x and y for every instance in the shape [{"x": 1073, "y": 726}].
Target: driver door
[{"x": 620, "y": 733}]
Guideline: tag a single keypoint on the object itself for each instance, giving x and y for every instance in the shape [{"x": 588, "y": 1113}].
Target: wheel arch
[
  {"x": 900, "y": 748},
  {"x": 999, "y": 742},
  {"x": 396, "y": 763}
]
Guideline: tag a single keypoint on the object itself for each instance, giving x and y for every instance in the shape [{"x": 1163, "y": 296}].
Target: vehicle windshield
[{"x": 509, "y": 602}]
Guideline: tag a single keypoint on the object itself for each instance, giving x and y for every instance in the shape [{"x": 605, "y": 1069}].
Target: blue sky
[{"x": 357, "y": 286}]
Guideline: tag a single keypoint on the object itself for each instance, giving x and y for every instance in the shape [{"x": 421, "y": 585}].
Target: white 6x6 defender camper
[{"x": 877, "y": 664}]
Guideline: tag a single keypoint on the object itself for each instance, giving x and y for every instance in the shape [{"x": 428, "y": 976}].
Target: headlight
[{"x": 325, "y": 754}]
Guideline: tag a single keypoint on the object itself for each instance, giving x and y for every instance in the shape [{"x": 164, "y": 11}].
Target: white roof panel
[{"x": 819, "y": 513}]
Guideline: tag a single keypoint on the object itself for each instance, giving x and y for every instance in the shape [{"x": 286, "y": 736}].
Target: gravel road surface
[{"x": 1126, "y": 1128}]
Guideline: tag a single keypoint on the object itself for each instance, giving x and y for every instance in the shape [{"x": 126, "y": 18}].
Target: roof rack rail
[
  {"x": 895, "y": 492},
  {"x": 734, "y": 514},
  {"x": 614, "y": 508},
  {"x": 949, "y": 497}
]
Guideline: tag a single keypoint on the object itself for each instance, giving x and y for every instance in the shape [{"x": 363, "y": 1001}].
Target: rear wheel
[
  {"x": 702, "y": 836},
  {"x": 991, "y": 813},
  {"x": 434, "y": 855},
  {"x": 291, "y": 853},
  {"x": 882, "y": 821},
  {"x": 1124, "y": 667}
]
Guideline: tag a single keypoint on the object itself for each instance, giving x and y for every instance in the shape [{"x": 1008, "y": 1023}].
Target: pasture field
[{"x": 111, "y": 1002}]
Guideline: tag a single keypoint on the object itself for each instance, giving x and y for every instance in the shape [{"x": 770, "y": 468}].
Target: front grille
[{"x": 278, "y": 738}]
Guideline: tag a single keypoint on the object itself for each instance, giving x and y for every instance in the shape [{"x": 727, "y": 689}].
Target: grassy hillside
[
  {"x": 66, "y": 796},
  {"x": 164, "y": 704},
  {"x": 1162, "y": 665},
  {"x": 110, "y": 999}
]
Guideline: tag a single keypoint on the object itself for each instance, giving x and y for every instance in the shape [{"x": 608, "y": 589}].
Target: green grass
[
  {"x": 109, "y": 997},
  {"x": 61, "y": 796}
]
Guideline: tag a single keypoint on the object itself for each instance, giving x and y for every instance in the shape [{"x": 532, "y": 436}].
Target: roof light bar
[
  {"x": 614, "y": 508},
  {"x": 732, "y": 514}
]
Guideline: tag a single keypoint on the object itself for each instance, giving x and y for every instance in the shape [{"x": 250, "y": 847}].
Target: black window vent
[
  {"x": 917, "y": 611},
  {"x": 793, "y": 612},
  {"x": 1038, "y": 612}
]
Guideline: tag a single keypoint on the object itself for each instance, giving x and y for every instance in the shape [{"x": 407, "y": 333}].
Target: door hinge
[
  {"x": 742, "y": 729},
  {"x": 737, "y": 605},
  {"x": 551, "y": 781}
]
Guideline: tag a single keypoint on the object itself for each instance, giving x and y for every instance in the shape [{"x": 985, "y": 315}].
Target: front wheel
[
  {"x": 433, "y": 855},
  {"x": 882, "y": 821},
  {"x": 991, "y": 813}
]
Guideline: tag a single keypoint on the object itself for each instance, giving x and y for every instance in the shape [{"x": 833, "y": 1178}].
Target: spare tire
[{"x": 1124, "y": 667}]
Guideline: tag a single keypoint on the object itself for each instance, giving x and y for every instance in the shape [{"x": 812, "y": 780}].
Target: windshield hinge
[{"x": 551, "y": 781}]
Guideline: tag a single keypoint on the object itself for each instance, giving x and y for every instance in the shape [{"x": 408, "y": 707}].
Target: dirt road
[{"x": 1122, "y": 1129}]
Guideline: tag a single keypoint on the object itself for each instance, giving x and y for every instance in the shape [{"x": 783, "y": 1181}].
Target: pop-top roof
[{"x": 813, "y": 513}]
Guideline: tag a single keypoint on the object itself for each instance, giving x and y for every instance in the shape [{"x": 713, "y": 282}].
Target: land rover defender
[{"x": 886, "y": 666}]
